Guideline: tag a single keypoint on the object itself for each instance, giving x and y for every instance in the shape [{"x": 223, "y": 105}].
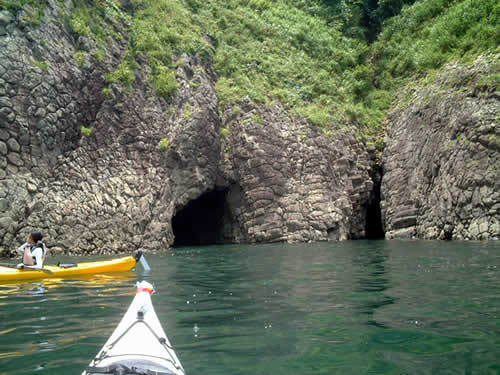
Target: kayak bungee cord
[
  {"x": 124, "y": 370},
  {"x": 161, "y": 340}
]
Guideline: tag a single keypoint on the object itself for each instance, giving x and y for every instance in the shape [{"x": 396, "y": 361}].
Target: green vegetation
[
  {"x": 195, "y": 83},
  {"x": 187, "y": 112},
  {"x": 43, "y": 65},
  {"x": 15, "y": 6},
  {"x": 432, "y": 32},
  {"x": 87, "y": 132},
  {"x": 161, "y": 30},
  {"x": 106, "y": 92},
  {"x": 491, "y": 80},
  {"x": 331, "y": 62},
  {"x": 224, "y": 132},
  {"x": 98, "y": 55},
  {"x": 96, "y": 20},
  {"x": 163, "y": 81},
  {"x": 164, "y": 144},
  {"x": 257, "y": 119},
  {"x": 79, "y": 22},
  {"x": 334, "y": 62},
  {"x": 33, "y": 9},
  {"x": 123, "y": 73},
  {"x": 273, "y": 51},
  {"x": 79, "y": 57}
]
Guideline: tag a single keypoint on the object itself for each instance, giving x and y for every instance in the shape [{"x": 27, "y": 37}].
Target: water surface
[{"x": 356, "y": 307}]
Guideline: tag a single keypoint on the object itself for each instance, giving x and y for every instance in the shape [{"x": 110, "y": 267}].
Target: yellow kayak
[{"x": 9, "y": 273}]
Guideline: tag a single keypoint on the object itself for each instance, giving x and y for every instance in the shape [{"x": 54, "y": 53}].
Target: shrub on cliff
[
  {"x": 164, "y": 82},
  {"x": 16, "y": 5},
  {"x": 164, "y": 144},
  {"x": 87, "y": 132},
  {"x": 123, "y": 73},
  {"x": 433, "y": 32}
]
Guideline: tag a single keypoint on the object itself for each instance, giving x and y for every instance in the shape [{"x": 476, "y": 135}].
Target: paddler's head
[{"x": 35, "y": 237}]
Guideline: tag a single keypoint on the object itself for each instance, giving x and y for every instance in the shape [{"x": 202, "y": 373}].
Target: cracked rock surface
[
  {"x": 80, "y": 158},
  {"x": 442, "y": 164}
]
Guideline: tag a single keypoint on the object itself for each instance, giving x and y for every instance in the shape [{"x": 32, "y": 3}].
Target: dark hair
[{"x": 36, "y": 236}]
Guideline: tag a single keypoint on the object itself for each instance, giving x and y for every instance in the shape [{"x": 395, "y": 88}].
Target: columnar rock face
[
  {"x": 293, "y": 183},
  {"x": 111, "y": 190},
  {"x": 99, "y": 167},
  {"x": 119, "y": 189},
  {"x": 110, "y": 187},
  {"x": 442, "y": 163}
]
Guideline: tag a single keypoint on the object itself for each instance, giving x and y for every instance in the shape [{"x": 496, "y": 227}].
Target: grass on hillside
[
  {"x": 433, "y": 32},
  {"x": 296, "y": 53},
  {"x": 275, "y": 51}
]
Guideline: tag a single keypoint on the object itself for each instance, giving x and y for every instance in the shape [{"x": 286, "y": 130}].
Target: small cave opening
[
  {"x": 448, "y": 234},
  {"x": 201, "y": 221},
  {"x": 374, "y": 228}
]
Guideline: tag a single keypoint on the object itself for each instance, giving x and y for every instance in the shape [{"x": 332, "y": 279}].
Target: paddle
[
  {"x": 139, "y": 256},
  {"x": 23, "y": 267}
]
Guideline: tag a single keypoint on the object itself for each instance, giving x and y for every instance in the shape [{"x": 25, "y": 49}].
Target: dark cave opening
[
  {"x": 374, "y": 228},
  {"x": 201, "y": 221}
]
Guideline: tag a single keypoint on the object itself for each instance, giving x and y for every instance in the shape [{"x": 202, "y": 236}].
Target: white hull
[{"x": 138, "y": 341}]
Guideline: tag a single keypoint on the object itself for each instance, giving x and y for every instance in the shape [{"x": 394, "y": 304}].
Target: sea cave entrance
[
  {"x": 201, "y": 221},
  {"x": 374, "y": 228}
]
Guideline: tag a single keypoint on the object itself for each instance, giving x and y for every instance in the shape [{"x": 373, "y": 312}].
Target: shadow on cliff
[
  {"x": 374, "y": 228},
  {"x": 201, "y": 221}
]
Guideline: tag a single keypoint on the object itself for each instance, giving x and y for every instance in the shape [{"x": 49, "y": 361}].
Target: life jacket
[{"x": 40, "y": 245}]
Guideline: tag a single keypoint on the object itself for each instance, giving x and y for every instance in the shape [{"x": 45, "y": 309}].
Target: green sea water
[{"x": 356, "y": 307}]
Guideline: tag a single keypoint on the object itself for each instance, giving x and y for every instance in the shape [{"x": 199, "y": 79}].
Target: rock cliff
[
  {"x": 293, "y": 183},
  {"x": 110, "y": 187},
  {"x": 442, "y": 163},
  {"x": 102, "y": 168}
]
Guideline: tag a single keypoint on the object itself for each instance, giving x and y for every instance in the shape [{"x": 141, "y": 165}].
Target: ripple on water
[{"x": 357, "y": 307}]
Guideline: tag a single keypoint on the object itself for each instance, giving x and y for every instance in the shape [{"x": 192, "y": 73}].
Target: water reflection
[
  {"x": 90, "y": 280},
  {"x": 278, "y": 309},
  {"x": 44, "y": 316},
  {"x": 33, "y": 288},
  {"x": 229, "y": 296},
  {"x": 373, "y": 281}
]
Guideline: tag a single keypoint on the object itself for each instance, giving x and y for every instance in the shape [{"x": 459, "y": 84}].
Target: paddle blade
[{"x": 144, "y": 263}]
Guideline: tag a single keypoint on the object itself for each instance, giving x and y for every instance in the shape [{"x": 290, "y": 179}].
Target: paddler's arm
[{"x": 23, "y": 247}]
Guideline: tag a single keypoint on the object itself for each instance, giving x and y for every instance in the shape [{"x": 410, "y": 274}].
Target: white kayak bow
[{"x": 139, "y": 345}]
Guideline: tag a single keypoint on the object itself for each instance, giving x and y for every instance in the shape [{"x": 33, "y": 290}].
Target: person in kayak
[{"x": 34, "y": 251}]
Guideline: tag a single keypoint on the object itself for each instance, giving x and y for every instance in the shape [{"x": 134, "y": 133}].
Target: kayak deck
[
  {"x": 138, "y": 344},
  {"x": 112, "y": 265}
]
